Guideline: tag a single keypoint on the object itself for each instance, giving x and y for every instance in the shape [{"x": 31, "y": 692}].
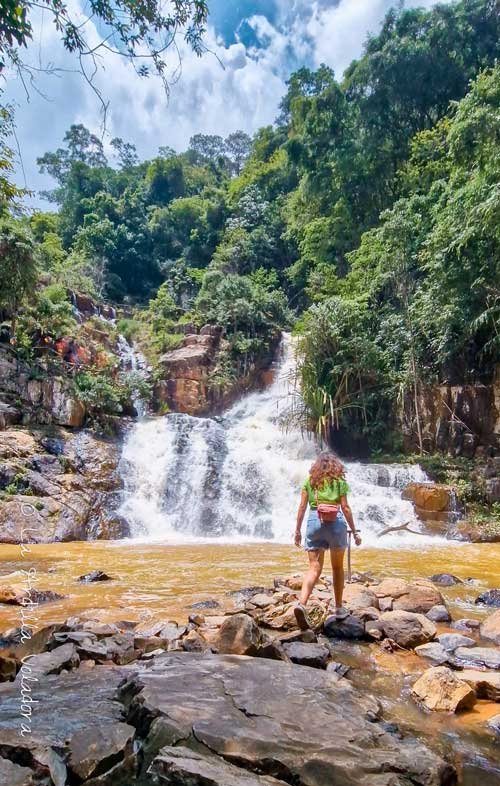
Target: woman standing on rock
[{"x": 325, "y": 491}]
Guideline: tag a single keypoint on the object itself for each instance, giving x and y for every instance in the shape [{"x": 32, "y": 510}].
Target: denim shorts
[{"x": 325, "y": 536}]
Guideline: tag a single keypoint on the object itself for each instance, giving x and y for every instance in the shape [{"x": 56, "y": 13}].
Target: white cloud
[
  {"x": 230, "y": 87},
  {"x": 338, "y": 33}
]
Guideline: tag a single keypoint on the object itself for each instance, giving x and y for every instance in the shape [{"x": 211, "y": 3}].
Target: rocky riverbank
[
  {"x": 238, "y": 695},
  {"x": 59, "y": 485}
]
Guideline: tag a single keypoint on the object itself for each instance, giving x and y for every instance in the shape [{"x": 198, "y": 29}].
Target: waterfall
[
  {"x": 133, "y": 361},
  {"x": 238, "y": 477}
]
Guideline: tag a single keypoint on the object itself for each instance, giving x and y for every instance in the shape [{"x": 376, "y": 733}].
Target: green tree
[{"x": 18, "y": 267}]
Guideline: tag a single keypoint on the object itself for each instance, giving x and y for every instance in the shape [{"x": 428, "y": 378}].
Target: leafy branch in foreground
[{"x": 140, "y": 33}]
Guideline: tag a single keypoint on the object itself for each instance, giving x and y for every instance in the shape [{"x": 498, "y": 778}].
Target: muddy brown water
[{"x": 152, "y": 579}]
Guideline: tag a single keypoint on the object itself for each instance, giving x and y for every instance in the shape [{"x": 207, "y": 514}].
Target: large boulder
[
  {"x": 356, "y": 596},
  {"x": 353, "y": 627},
  {"x": 490, "y": 628},
  {"x": 451, "y": 641},
  {"x": 65, "y": 657},
  {"x": 406, "y": 628},
  {"x": 283, "y": 618},
  {"x": 420, "y": 598},
  {"x": 66, "y": 490},
  {"x": 273, "y": 718},
  {"x": 391, "y": 587},
  {"x": 432, "y": 501},
  {"x": 441, "y": 690},
  {"x": 76, "y": 728}
]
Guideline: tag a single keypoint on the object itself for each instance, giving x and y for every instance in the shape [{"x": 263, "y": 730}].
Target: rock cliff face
[
  {"x": 457, "y": 419},
  {"x": 188, "y": 383},
  {"x": 58, "y": 486},
  {"x": 28, "y": 399}
]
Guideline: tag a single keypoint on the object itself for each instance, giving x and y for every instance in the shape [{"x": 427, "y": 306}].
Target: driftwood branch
[{"x": 399, "y": 528}]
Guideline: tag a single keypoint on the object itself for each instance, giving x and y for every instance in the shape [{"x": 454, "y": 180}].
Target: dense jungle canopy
[{"x": 367, "y": 218}]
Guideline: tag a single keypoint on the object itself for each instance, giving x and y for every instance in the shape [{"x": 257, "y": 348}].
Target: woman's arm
[
  {"x": 304, "y": 499},
  {"x": 346, "y": 510}
]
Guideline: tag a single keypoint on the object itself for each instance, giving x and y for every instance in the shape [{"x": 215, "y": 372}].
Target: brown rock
[
  {"x": 356, "y": 596},
  {"x": 8, "y": 668},
  {"x": 10, "y": 596},
  {"x": 98, "y": 746},
  {"x": 441, "y": 690},
  {"x": 238, "y": 635},
  {"x": 194, "y": 642},
  {"x": 385, "y": 604},
  {"x": 406, "y": 628},
  {"x": 486, "y": 684},
  {"x": 421, "y": 598},
  {"x": 430, "y": 497},
  {"x": 189, "y": 362},
  {"x": 393, "y": 588},
  {"x": 490, "y": 628},
  {"x": 283, "y": 618},
  {"x": 262, "y": 600}
]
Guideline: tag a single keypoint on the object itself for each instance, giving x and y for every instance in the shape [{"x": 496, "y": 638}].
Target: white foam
[{"x": 238, "y": 478}]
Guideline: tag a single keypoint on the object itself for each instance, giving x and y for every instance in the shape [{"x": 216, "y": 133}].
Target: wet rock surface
[
  {"x": 490, "y": 629},
  {"x": 283, "y": 732},
  {"x": 489, "y": 598},
  {"x": 440, "y": 689},
  {"x": 62, "y": 486},
  {"x": 159, "y": 702}
]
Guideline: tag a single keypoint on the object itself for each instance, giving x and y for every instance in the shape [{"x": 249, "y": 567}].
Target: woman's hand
[
  {"x": 357, "y": 539},
  {"x": 297, "y": 538}
]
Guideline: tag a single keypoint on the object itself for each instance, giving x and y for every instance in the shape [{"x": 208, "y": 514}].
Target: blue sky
[{"x": 254, "y": 46}]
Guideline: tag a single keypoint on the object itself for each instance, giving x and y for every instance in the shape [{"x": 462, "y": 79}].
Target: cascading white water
[
  {"x": 238, "y": 477},
  {"x": 134, "y": 361}
]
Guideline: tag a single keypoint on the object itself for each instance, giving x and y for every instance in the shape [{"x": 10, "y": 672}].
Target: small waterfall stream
[
  {"x": 133, "y": 361},
  {"x": 238, "y": 477}
]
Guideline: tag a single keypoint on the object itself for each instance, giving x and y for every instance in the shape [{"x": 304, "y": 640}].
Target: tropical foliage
[{"x": 369, "y": 213}]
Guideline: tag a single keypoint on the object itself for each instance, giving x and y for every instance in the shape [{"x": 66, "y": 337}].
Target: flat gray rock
[
  {"x": 178, "y": 764},
  {"x": 13, "y": 775},
  {"x": 466, "y": 624},
  {"x": 451, "y": 641},
  {"x": 433, "y": 651},
  {"x": 482, "y": 657},
  {"x": 298, "y": 725},
  {"x": 75, "y": 713},
  {"x": 64, "y": 657},
  {"x": 439, "y": 613}
]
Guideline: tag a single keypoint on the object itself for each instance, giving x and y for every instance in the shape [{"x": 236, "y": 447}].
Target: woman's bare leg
[
  {"x": 337, "y": 560},
  {"x": 316, "y": 559}
]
